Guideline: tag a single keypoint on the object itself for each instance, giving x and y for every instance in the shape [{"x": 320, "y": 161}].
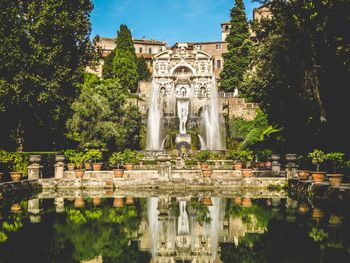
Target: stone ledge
[{"x": 164, "y": 183}]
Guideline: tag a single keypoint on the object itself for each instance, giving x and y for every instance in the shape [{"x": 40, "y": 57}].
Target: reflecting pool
[{"x": 165, "y": 228}]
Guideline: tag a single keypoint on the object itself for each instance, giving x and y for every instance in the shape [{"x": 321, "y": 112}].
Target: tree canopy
[
  {"x": 300, "y": 71},
  {"x": 102, "y": 119},
  {"x": 44, "y": 50}
]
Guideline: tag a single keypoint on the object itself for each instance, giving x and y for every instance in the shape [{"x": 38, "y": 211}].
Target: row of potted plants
[
  {"x": 91, "y": 159},
  {"x": 318, "y": 158}
]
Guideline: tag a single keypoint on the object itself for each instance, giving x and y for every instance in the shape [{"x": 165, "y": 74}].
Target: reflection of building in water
[{"x": 173, "y": 232}]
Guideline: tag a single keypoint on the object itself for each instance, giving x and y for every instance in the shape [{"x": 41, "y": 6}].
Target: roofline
[
  {"x": 149, "y": 41},
  {"x": 264, "y": 5},
  {"x": 200, "y": 43}
]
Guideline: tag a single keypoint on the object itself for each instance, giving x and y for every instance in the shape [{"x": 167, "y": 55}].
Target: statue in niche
[{"x": 183, "y": 115}]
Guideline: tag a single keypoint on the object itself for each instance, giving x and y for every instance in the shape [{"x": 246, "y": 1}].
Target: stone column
[
  {"x": 291, "y": 166},
  {"x": 275, "y": 165},
  {"x": 59, "y": 166},
  {"x": 34, "y": 210},
  {"x": 34, "y": 169}
]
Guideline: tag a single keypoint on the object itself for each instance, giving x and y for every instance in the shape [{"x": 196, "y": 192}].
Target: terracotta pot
[
  {"x": 15, "y": 208},
  {"x": 247, "y": 202},
  {"x": 97, "y": 166},
  {"x": 204, "y": 165},
  {"x": 207, "y": 172},
  {"x": 118, "y": 202},
  {"x": 129, "y": 166},
  {"x": 79, "y": 174},
  {"x": 335, "y": 180},
  {"x": 303, "y": 174},
  {"x": 247, "y": 172},
  {"x": 16, "y": 176},
  {"x": 70, "y": 166},
  {"x": 118, "y": 173},
  {"x": 237, "y": 166},
  {"x": 318, "y": 177},
  {"x": 335, "y": 220},
  {"x": 129, "y": 200},
  {"x": 303, "y": 208},
  {"x": 317, "y": 213},
  {"x": 207, "y": 201},
  {"x": 96, "y": 201},
  {"x": 87, "y": 166},
  {"x": 238, "y": 200},
  {"x": 79, "y": 202}
]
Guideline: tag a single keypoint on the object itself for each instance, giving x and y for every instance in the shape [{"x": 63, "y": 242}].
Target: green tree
[
  {"x": 43, "y": 57},
  {"x": 122, "y": 63},
  {"x": 238, "y": 57},
  {"x": 103, "y": 119},
  {"x": 142, "y": 69},
  {"x": 107, "y": 69},
  {"x": 300, "y": 70}
]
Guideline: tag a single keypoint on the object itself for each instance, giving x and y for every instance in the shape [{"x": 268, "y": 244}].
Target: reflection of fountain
[
  {"x": 152, "y": 211},
  {"x": 211, "y": 120},
  {"x": 154, "y": 120},
  {"x": 215, "y": 225}
]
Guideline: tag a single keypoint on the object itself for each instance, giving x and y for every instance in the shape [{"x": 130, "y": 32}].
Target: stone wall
[
  {"x": 239, "y": 108},
  {"x": 156, "y": 179}
]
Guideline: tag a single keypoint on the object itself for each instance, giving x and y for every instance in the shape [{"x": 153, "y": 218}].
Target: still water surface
[{"x": 171, "y": 229}]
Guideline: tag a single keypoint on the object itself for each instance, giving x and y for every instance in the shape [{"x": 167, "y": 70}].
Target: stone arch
[{"x": 186, "y": 65}]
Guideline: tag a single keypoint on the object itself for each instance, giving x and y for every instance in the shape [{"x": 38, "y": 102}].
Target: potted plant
[
  {"x": 337, "y": 160},
  {"x": 69, "y": 155},
  {"x": 318, "y": 157},
  {"x": 87, "y": 161},
  {"x": 303, "y": 174},
  {"x": 115, "y": 161},
  {"x": 95, "y": 155},
  {"x": 203, "y": 157},
  {"x": 246, "y": 156},
  {"x": 130, "y": 158},
  {"x": 235, "y": 156},
  {"x": 18, "y": 166},
  {"x": 78, "y": 160}
]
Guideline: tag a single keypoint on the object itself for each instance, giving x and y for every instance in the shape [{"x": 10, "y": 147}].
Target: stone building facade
[{"x": 143, "y": 47}]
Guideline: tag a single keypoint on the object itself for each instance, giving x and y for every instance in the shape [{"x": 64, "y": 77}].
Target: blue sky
[{"x": 166, "y": 20}]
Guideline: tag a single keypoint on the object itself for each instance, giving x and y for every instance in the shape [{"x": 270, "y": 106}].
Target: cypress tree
[
  {"x": 237, "y": 59},
  {"x": 107, "y": 69},
  {"x": 142, "y": 68}
]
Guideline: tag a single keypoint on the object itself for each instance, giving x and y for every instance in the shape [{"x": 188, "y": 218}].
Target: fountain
[
  {"x": 184, "y": 83},
  {"x": 154, "y": 119},
  {"x": 211, "y": 120}
]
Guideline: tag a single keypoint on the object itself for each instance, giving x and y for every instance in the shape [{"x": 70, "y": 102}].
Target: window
[
  {"x": 218, "y": 46},
  {"x": 140, "y": 50},
  {"x": 218, "y": 63},
  {"x": 199, "y": 47},
  {"x": 150, "y": 50},
  {"x": 227, "y": 28}
]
